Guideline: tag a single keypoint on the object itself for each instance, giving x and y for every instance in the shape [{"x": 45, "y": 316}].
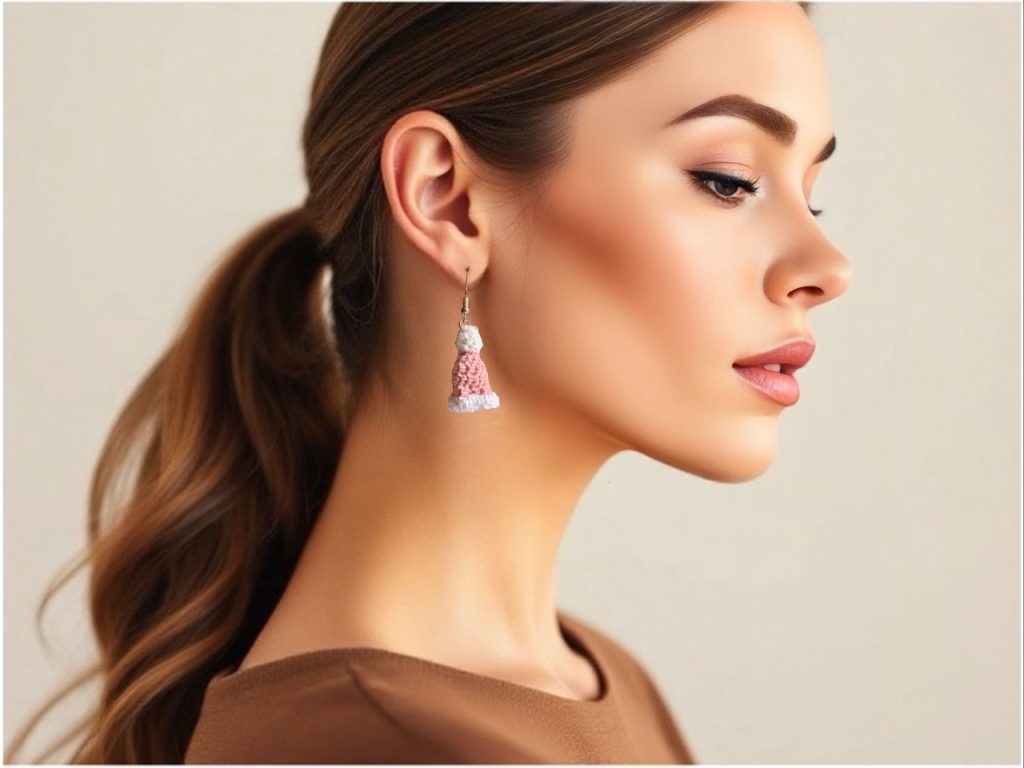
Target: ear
[{"x": 435, "y": 193}]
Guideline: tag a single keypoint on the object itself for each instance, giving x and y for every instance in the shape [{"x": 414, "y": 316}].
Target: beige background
[{"x": 857, "y": 603}]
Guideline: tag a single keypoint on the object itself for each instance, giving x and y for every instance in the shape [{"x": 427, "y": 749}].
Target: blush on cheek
[
  {"x": 584, "y": 305},
  {"x": 578, "y": 308},
  {"x": 596, "y": 235}
]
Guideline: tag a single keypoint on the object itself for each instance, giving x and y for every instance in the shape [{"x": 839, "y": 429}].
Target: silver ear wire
[{"x": 465, "y": 302}]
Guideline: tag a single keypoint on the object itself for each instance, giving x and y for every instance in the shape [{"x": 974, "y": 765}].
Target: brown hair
[{"x": 218, "y": 464}]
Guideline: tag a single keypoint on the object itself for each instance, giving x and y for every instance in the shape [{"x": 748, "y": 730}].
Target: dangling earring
[{"x": 471, "y": 391}]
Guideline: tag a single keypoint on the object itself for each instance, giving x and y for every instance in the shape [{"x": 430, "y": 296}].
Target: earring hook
[{"x": 465, "y": 302}]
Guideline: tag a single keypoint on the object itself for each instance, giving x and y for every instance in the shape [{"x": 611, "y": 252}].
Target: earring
[{"x": 471, "y": 390}]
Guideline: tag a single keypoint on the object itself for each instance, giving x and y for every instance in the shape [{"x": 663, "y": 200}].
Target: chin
[
  {"x": 748, "y": 459},
  {"x": 739, "y": 471},
  {"x": 727, "y": 455}
]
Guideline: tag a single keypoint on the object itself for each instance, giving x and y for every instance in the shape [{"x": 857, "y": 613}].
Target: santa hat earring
[{"x": 471, "y": 391}]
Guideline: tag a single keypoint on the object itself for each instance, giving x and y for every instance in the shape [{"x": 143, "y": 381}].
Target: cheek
[{"x": 629, "y": 303}]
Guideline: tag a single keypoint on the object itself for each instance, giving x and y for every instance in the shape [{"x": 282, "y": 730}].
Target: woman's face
[{"x": 642, "y": 280}]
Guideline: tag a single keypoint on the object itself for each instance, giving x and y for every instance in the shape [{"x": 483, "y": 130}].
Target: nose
[
  {"x": 810, "y": 272},
  {"x": 828, "y": 281}
]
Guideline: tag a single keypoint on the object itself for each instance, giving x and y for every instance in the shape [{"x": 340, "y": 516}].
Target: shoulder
[{"x": 310, "y": 708}]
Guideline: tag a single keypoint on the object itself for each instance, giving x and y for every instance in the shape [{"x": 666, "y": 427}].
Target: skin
[{"x": 611, "y": 316}]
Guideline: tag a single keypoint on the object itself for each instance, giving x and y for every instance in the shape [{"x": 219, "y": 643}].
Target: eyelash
[{"x": 750, "y": 186}]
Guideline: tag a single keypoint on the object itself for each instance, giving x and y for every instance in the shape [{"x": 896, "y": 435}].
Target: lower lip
[{"x": 780, "y": 387}]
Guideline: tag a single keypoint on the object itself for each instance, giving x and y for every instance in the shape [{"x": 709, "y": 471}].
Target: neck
[{"x": 441, "y": 530}]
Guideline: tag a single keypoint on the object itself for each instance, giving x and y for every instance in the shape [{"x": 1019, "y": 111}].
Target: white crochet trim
[
  {"x": 468, "y": 339},
  {"x": 468, "y": 403}
]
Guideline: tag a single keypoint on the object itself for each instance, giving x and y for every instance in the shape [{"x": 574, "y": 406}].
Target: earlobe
[{"x": 429, "y": 190}]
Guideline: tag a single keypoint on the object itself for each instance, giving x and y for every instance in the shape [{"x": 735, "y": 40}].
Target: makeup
[{"x": 780, "y": 387}]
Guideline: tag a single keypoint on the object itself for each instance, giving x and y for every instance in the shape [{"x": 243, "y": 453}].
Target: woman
[{"x": 340, "y": 544}]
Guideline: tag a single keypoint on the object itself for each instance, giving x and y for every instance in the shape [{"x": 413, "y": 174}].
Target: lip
[
  {"x": 780, "y": 386},
  {"x": 791, "y": 355}
]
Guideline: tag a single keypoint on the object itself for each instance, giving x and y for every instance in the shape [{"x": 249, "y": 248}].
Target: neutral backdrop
[{"x": 859, "y": 602}]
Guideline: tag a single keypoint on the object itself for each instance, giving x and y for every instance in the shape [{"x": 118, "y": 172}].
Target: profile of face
[{"x": 664, "y": 250}]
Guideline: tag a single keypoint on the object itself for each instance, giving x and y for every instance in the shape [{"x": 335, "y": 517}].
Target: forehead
[{"x": 765, "y": 50}]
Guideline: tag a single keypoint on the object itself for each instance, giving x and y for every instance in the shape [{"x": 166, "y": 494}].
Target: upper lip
[{"x": 790, "y": 355}]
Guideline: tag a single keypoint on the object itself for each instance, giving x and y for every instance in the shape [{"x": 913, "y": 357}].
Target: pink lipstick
[{"x": 779, "y": 385}]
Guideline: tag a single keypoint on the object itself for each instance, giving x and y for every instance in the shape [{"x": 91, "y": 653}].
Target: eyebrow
[{"x": 777, "y": 124}]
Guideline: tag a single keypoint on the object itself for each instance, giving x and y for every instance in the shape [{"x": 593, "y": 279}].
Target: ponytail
[{"x": 232, "y": 437}]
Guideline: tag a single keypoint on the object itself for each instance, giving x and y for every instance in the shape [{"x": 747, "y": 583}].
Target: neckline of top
[{"x": 576, "y": 635}]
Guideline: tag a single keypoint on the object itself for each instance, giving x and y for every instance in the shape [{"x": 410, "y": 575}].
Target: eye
[{"x": 723, "y": 186}]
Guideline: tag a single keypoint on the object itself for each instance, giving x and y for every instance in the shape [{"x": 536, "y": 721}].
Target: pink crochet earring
[{"x": 471, "y": 390}]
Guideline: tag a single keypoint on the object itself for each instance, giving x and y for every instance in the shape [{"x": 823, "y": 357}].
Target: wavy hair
[{"x": 216, "y": 467}]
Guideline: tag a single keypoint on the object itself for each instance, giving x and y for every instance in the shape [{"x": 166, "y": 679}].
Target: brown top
[{"x": 371, "y": 705}]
